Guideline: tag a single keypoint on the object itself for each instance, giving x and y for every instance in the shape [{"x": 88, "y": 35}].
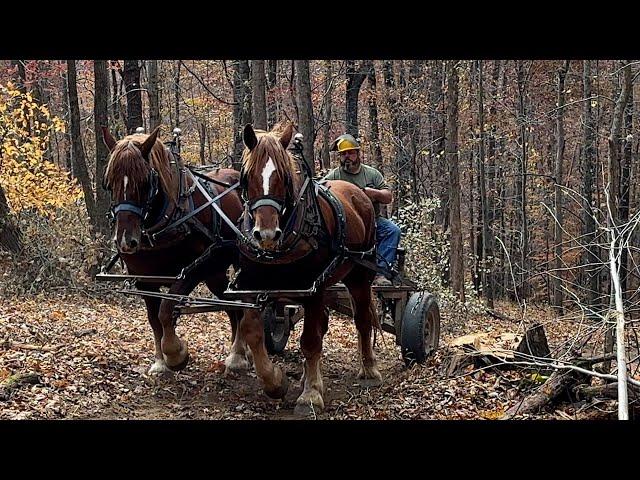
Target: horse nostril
[
  {"x": 277, "y": 234},
  {"x": 256, "y": 234},
  {"x": 134, "y": 243}
]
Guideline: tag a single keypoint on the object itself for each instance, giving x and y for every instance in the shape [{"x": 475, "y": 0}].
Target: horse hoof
[
  {"x": 236, "y": 363},
  {"x": 307, "y": 409},
  {"x": 160, "y": 370},
  {"x": 179, "y": 366},
  {"x": 280, "y": 391}
]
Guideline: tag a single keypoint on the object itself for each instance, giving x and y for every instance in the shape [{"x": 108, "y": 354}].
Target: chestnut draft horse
[
  {"x": 159, "y": 231},
  {"x": 287, "y": 246}
]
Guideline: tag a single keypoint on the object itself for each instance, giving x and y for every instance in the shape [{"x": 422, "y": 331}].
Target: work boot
[
  {"x": 387, "y": 324},
  {"x": 381, "y": 281}
]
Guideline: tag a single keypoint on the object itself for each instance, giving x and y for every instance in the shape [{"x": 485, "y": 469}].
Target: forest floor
[{"x": 91, "y": 357}]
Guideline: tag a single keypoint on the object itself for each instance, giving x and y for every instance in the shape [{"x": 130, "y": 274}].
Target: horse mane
[
  {"x": 269, "y": 146},
  {"x": 126, "y": 159}
]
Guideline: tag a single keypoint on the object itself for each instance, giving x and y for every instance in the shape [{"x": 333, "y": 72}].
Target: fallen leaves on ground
[{"x": 91, "y": 356}]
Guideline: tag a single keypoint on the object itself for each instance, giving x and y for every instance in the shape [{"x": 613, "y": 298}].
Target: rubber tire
[
  {"x": 420, "y": 315},
  {"x": 276, "y": 333}
]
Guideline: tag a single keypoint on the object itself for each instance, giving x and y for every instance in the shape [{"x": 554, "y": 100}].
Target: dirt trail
[{"x": 92, "y": 356}]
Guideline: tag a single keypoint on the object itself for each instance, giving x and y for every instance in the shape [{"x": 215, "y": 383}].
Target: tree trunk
[
  {"x": 115, "y": 98},
  {"x": 591, "y": 255},
  {"x": 134, "y": 95},
  {"x": 327, "y": 106},
  {"x": 436, "y": 155},
  {"x": 176, "y": 87},
  {"x": 154, "y": 96},
  {"x": 487, "y": 240},
  {"x": 10, "y": 236},
  {"x": 101, "y": 115},
  {"x": 374, "y": 136},
  {"x": 453, "y": 159},
  {"x": 259, "y": 96},
  {"x": 305, "y": 114},
  {"x": 77, "y": 150},
  {"x": 614, "y": 169},
  {"x": 625, "y": 184},
  {"x": 558, "y": 224},
  {"x": 273, "y": 110},
  {"x": 241, "y": 114},
  {"x": 355, "y": 77},
  {"x": 521, "y": 186}
]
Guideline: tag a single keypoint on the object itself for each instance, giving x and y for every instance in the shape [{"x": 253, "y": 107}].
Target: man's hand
[{"x": 383, "y": 196}]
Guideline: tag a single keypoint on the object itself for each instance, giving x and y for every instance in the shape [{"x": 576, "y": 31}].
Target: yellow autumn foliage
[{"x": 29, "y": 181}]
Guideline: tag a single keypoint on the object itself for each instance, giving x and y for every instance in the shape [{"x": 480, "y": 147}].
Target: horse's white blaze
[
  {"x": 123, "y": 242},
  {"x": 269, "y": 168},
  {"x": 126, "y": 182}
]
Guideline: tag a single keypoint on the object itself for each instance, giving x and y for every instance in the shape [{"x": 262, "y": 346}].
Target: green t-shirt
[{"x": 366, "y": 177}]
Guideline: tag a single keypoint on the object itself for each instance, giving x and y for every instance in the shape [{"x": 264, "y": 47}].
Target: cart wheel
[
  {"x": 420, "y": 332},
  {"x": 276, "y": 330}
]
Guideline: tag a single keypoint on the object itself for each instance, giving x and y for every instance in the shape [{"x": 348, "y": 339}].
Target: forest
[{"x": 513, "y": 186}]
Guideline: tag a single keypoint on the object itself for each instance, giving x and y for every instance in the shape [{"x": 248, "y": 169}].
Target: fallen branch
[
  {"x": 500, "y": 316},
  {"x": 609, "y": 390},
  {"x": 28, "y": 346},
  {"x": 556, "y": 384}
]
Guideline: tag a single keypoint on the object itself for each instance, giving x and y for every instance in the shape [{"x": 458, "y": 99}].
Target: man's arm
[{"x": 383, "y": 196}]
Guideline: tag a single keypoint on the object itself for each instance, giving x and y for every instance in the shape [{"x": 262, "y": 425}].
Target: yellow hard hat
[{"x": 345, "y": 142}]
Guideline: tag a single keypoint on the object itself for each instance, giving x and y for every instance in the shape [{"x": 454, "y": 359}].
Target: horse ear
[
  {"x": 149, "y": 142},
  {"x": 108, "y": 139},
  {"x": 285, "y": 138},
  {"x": 249, "y": 137}
]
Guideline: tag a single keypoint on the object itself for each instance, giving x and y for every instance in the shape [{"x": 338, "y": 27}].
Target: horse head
[
  {"x": 268, "y": 181},
  {"x": 138, "y": 177}
]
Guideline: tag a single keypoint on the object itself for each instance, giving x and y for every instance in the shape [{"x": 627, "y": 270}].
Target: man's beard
[{"x": 351, "y": 166}]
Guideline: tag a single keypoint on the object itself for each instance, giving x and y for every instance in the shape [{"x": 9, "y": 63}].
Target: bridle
[
  {"x": 128, "y": 206},
  {"x": 280, "y": 204}
]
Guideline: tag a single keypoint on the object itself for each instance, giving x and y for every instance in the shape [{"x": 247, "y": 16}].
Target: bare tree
[
  {"x": 557, "y": 237},
  {"x": 273, "y": 107},
  {"x": 453, "y": 159},
  {"x": 327, "y": 106},
  {"x": 259, "y": 97},
  {"x": 78, "y": 158},
  {"x": 154, "y": 96},
  {"x": 486, "y": 238},
  {"x": 134, "y": 95},
  {"x": 374, "y": 135},
  {"x": 101, "y": 117},
  {"x": 355, "y": 76},
  {"x": 305, "y": 112}
]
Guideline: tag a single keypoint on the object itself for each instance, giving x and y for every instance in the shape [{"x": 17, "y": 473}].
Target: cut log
[
  {"x": 609, "y": 390},
  {"x": 484, "y": 349},
  {"x": 558, "y": 383},
  {"x": 455, "y": 364},
  {"x": 534, "y": 343}
]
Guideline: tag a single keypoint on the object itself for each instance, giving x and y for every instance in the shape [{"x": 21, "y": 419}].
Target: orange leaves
[{"x": 29, "y": 181}]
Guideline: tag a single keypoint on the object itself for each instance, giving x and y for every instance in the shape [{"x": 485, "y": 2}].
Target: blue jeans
[{"x": 387, "y": 240}]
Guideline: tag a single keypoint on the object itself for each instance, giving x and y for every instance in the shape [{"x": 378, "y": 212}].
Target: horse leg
[
  {"x": 240, "y": 359},
  {"x": 316, "y": 324},
  {"x": 159, "y": 367},
  {"x": 275, "y": 382},
  {"x": 359, "y": 284},
  {"x": 174, "y": 349}
]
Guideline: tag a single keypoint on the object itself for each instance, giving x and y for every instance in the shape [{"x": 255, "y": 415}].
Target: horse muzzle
[{"x": 267, "y": 238}]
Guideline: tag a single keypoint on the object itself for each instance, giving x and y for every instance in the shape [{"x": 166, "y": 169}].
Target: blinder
[{"x": 141, "y": 211}]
